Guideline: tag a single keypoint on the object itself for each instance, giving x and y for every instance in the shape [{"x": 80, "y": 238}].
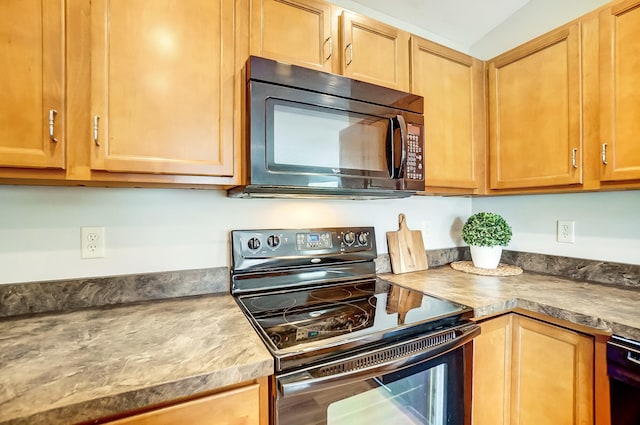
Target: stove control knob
[
  {"x": 349, "y": 238},
  {"x": 273, "y": 241},
  {"x": 253, "y": 244},
  {"x": 363, "y": 238}
]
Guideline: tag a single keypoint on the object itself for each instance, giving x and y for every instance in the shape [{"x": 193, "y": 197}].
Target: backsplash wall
[
  {"x": 607, "y": 224},
  {"x": 155, "y": 230}
]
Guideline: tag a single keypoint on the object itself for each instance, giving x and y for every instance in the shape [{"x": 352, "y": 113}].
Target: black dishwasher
[{"x": 623, "y": 367}]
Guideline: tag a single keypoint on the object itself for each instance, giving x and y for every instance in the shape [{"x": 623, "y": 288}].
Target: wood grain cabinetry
[
  {"x": 492, "y": 372},
  {"x": 452, "y": 85},
  {"x": 162, "y": 93},
  {"x": 295, "y": 31},
  {"x": 144, "y": 93},
  {"x": 535, "y": 113},
  {"x": 239, "y": 406},
  {"x": 32, "y": 101},
  {"x": 619, "y": 100},
  {"x": 315, "y": 34},
  {"x": 530, "y": 372},
  {"x": 374, "y": 52}
]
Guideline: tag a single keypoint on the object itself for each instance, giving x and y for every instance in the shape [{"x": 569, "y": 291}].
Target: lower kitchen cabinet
[
  {"x": 239, "y": 406},
  {"x": 530, "y": 372}
]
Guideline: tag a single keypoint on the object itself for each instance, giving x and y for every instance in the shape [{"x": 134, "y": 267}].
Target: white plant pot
[{"x": 486, "y": 257}]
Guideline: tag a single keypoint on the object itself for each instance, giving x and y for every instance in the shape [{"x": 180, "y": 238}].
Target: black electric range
[{"x": 313, "y": 296}]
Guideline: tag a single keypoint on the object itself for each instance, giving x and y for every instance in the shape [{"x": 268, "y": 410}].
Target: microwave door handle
[
  {"x": 391, "y": 152},
  {"x": 403, "y": 145},
  {"x": 396, "y": 123}
]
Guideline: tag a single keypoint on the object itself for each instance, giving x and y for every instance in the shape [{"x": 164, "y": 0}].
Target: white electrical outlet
[
  {"x": 565, "y": 231},
  {"x": 92, "y": 242}
]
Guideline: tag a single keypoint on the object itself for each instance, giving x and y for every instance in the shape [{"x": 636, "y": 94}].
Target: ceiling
[
  {"x": 482, "y": 28},
  {"x": 461, "y": 21}
]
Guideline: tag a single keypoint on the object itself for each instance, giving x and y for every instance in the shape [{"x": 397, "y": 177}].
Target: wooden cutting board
[{"x": 406, "y": 249}]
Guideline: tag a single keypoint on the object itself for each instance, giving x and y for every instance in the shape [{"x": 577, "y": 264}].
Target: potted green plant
[{"x": 486, "y": 233}]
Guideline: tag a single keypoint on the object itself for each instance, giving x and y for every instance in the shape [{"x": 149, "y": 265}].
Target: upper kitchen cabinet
[
  {"x": 535, "y": 113},
  {"x": 32, "y": 104},
  {"x": 162, "y": 87},
  {"x": 315, "y": 34},
  {"x": 295, "y": 31},
  {"x": 452, "y": 85},
  {"x": 374, "y": 52},
  {"x": 619, "y": 100}
]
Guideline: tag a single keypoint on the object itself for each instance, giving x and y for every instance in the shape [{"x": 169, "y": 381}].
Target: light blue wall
[
  {"x": 607, "y": 224},
  {"x": 149, "y": 230}
]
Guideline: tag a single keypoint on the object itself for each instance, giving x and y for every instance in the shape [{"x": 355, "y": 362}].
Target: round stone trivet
[{"x": 501, "y": 270}]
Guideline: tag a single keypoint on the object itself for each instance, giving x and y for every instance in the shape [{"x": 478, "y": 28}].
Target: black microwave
[{"x": 316, "y": 134}]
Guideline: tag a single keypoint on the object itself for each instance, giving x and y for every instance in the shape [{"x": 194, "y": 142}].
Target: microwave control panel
[{"x": 415, "y": 154}]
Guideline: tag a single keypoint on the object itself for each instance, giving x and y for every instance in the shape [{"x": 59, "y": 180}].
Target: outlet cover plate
[
  {"x": 566, "y": 231},
  {"x": 92, "y": 242}
]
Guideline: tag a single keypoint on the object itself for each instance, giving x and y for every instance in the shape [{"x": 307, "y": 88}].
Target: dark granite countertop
[
  {"x": 66, "y": 367},
  {"x": 603, "y": 307},
  {"x": 69, "y": 367}
]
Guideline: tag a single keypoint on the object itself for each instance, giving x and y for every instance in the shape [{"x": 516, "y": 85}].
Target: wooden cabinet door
[
  {"x": 552, "y": 381},
  {"x": 619, "y": 82},
  {"x": 534, "y": 113},
  {"x": 374, "y": 52},
  {"x": 293, "y": 31},
  {"x": 526, "y": 371},
  {"x": 162, "y": 86},
  {"x": 492, "y": 372},
  {"x": 32, "y": 84},
  {"x": 235, "y": 407},
  {"x": 452, "y": 85}
]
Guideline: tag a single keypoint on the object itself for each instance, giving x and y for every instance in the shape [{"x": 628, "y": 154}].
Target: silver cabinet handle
[
  {"x": 350, "y": 49},
  {"x": 574, "y": 153},
  {"x": 52, "y": 125},
  {"x": 96, "y": 127},
  {"x": 604, "y": 153},
  {"x": 329, "y": 41}
]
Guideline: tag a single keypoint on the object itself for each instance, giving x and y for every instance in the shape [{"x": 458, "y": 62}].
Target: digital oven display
[{"x": 308, "y": 241}]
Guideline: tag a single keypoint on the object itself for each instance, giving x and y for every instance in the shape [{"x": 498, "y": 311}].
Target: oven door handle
[{"x": 302, "y": 381}]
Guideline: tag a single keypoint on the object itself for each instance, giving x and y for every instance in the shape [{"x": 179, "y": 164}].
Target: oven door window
[
  {"x": 408, "y": 400},
  {"x": 430, "y": 393},
  {"x": 326, "y": 141}
]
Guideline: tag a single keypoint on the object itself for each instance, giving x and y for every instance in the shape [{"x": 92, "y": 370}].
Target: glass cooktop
[{"x": 290, "y": 320}]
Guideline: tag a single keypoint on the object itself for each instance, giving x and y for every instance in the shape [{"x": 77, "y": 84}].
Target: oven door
[
  {"x": 430, "y": 387},
  {"x": 623, "y": 367}
]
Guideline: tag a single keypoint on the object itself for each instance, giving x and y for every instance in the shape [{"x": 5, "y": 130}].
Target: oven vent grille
[{"x": 386, "y": 355}]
